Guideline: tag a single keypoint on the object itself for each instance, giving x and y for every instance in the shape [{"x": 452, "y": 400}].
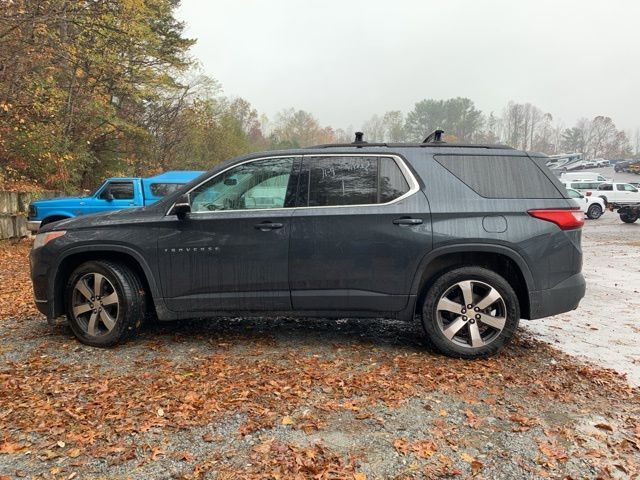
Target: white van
[{"x": 582, "y": 176}]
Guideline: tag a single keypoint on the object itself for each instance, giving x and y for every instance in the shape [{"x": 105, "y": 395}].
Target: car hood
[
  {"x": 55, "y": 201},
  {"x": 107, "y": 219}
]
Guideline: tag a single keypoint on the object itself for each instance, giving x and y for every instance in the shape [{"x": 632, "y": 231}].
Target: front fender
[{"x": 55, "y": 281}]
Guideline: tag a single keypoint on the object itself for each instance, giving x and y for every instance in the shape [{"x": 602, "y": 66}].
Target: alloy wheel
[
  {"x": 471, "y": 313},
  {"x": 95, "y": 304}
]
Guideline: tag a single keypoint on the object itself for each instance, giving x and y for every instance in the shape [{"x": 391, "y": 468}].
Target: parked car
[
  {"x": 582, "y": 177},
  {"x": 617, "y": 193},
  {"x": 583, "y": 186},
  {"x": 622, "y": 166},
  {"x": 112, "y": 194},
  {"x": 592, "y": 206},
  {"x": 602, "y": 163},
  {"x": 466, "y": 238}
]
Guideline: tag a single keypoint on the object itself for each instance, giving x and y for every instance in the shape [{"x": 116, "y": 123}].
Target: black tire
[
  {"x": 594, "y": 212},
  {"x": 125, "y": 320},
  {"x": 433, "y": 319},
  {"x": 628, "y": 217}
]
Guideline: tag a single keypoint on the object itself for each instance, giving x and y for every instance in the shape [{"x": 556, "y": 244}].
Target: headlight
[
  {"x": 43, "y": 238},
  {"x": 33, "y": 211}
]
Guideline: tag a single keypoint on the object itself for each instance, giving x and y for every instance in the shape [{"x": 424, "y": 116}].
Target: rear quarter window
[{"x": 493, "y": 176}]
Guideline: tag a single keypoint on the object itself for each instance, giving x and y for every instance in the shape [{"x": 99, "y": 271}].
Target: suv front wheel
[
  {"x": 105, "y": 303},
  {"x": 470, "y": 312}
]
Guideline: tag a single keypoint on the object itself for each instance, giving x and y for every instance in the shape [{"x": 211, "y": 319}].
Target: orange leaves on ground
[
  {"x": 420, "y": 448},
  {"x": 16, "y": 294},
  {"x": 273, "y": 459}
]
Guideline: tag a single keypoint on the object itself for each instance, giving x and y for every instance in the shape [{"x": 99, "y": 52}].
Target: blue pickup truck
[{"x": 112, "y": 194}]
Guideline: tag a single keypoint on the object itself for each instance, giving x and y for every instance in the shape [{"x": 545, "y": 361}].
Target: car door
[
  {"x": 114, "y": 195},
  {"x": 630, "y": 193},
  {"x": 359, "y": 230},
  {"x": 231, "y": 251},
  {"x": 579, "y": 198}
]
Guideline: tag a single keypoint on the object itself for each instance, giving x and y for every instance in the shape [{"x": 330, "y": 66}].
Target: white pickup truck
[{"x": 616, "y": 193}]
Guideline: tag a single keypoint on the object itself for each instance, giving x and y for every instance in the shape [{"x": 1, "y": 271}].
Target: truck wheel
[
  {"x": 629, "y": 217},
  {"x": 105, "y": 303},
  {"x": 470, "y": 312},
  {"x": 594, "y": 212}
]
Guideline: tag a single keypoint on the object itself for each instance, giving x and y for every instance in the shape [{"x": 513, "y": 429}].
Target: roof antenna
[
  {"x": 359, "y": 138},
  {"x": 434, "y": 137}
]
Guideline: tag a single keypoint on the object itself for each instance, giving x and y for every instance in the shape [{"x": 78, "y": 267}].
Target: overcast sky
[{"x": 344, "y": 60}]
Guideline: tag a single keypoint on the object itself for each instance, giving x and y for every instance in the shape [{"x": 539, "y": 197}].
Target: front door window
[{"x": 261, "y": 184}]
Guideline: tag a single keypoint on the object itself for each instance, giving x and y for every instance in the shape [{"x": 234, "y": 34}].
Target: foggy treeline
[
  {"x": 108, "y": 87},
  {"x": 520, "y": 125}
]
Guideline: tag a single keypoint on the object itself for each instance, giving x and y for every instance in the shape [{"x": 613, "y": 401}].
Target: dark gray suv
[{"x": 467, "y": 238}]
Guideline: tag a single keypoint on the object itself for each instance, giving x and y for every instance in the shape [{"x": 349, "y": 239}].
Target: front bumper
[
  {"x": 33, "y": 225},
  {"x": 564, "y": 297}
]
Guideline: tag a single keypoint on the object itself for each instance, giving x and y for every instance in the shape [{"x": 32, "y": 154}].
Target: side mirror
[
  {"x": 109, "y": 197},
  {"x": 182, "y": 206}
]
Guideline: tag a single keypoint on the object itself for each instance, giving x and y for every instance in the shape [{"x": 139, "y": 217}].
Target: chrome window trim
[{"x": 411, "y": 180}]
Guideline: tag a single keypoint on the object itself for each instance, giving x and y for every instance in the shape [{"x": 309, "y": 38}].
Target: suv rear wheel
[
  {"x": 105, "y": 303},
  {"x": 470, "y": 312}
]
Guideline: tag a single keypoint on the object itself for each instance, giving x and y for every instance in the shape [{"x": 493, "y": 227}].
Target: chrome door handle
[
  {"x": 266, "y": 226},
  {"x": 407, "y": 221}
]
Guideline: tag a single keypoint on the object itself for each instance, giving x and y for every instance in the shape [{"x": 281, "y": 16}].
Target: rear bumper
[
  {"x": 33, "y": 225},
  {"x": 564, "y": 297}
]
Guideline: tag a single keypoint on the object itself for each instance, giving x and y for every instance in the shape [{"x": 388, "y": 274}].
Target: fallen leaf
[
  {"x": 73, "y": 453},
  {"x": 287, "y": 420},
  {"x": 476, "y": 466}
]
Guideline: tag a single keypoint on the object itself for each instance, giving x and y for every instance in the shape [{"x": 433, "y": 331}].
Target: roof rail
[
  {"x": 434, "y": 137},
  {"x": 440, "y": 144}
]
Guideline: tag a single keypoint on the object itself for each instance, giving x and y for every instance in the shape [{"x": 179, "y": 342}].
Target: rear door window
[
  {"x": 350, "y": 180},
  {"x": 507, "y": 176}
]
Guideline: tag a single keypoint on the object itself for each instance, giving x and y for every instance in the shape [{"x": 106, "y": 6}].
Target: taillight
[
  {"x": 565, "y": 219},
  {"x": 588, "y": 194}
]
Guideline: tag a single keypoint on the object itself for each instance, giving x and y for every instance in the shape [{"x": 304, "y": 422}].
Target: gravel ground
[{"x": 284, "y": 398}]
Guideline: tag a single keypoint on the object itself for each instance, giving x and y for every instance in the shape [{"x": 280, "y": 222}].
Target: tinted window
[
  {"x": 606, "y": 186},
  {"x": 119, "y": 190},
  {"x": 333, "y": 181},
  {"x": 164, "y": 189},
  {"x": 254, "y": 185},
  {"x": 501, "y": 176},
  {"x": 336, "y": 181},
  {"x": 392, "y": 183}
]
